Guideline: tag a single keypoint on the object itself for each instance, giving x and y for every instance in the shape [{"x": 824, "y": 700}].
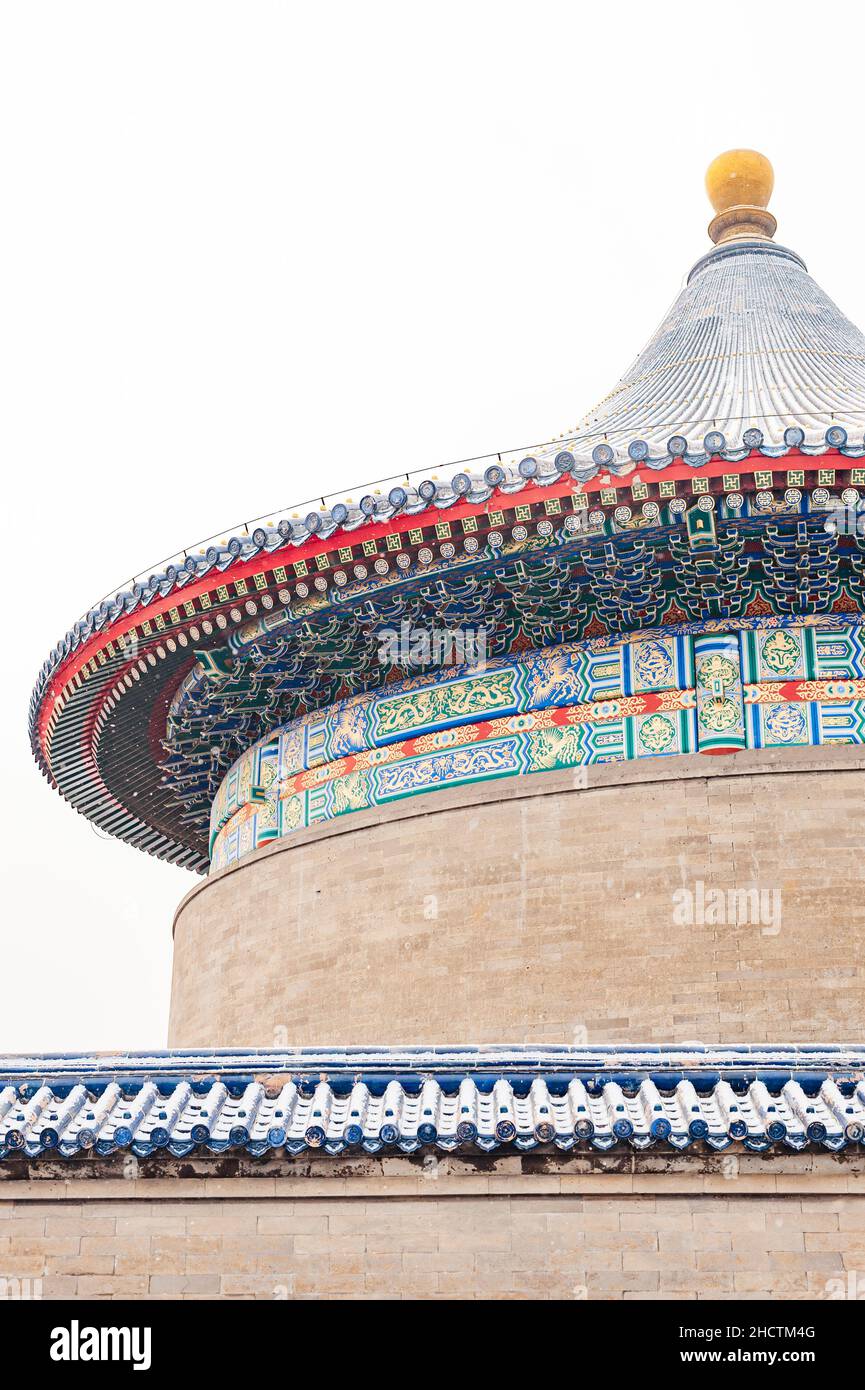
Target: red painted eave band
[{"x": 674, "y": 472}]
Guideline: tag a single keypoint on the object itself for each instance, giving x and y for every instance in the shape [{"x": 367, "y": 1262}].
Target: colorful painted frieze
[
  {"x": 840, "y": 652},
  {"x": 720, "y": 704},
  {"x": 782, "y": 653},
  {"x": 784, "y": 725},
  {"x": 656, "y": 695},
  {"x": 439, "y": 706},
  {"x": 660, "y": 734},
  {"x": 657, "y": 662}
]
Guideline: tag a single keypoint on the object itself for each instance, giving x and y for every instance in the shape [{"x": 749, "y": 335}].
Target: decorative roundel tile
[
  {"x": 171, "y": 644},
  {"x": 221, "y": 621},
  {"x": 443, "y": 738},
  {"x": 521, "y": 722},
  {"x": 470, "y": 545},
  {"x": 820, "y": 497},
  {"x": 320, "y": 583},
  {"x": 735, "y": 501},
  {"x": 206, "y": 627},
  {"x": 425, "y": 556},
  {"x": 717, "y": 716},
  {"x": 651, "y": 510},
  {"x": 340, "y": 578},
  {"x": 251, "y": 607},
  {"x": 267, "y": 601},
  {"x": 678, "y": 505},
  {"x": 236, "y": 615},
  {"x": 360, "y": 571},
  {"x": 381, "y": 567},
  {"x": 597, "y": 518},
  {"x": 706, "y": 504},
  {"x": 792, "y": 497},
  {"x": 284, "y": 596},
  {"x": 716, "y": 667},
  {"x": 182, "y": 639},
  {"x": 764, "y": 499},
  {"x": 850, "y": 496},
  {"x": 657, "y": 733},
  {"x": 572, "y": 523},
  {"x": 403, "y": 561},
  {"x": 780, "y": 652},
  {"x": 448, "y": 550},
  {"x": 301, "y": 590},
  {"x": 194, "y": 633},
  {"x": 519, "y": 533},
  {"x": 545, "y": 528},
  {"x": 622, "y": 514},
  {"x": 785, "y": 723},
  {"x": 495, "y": 539}
]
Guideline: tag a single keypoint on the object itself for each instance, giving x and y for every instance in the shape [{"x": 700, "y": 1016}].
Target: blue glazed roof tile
[{"x": 406, "y": 1100}]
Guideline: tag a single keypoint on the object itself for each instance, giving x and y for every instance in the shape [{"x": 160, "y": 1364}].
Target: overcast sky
[{"x": 255, "y": 252}]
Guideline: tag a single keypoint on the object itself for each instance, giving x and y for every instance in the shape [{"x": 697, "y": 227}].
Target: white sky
[{"x": 250, "y": 253}]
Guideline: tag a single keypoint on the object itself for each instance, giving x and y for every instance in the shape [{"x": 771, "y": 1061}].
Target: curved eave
[
  {"x": 77, "y": 709},
  {"x": 78, "y": 645}
]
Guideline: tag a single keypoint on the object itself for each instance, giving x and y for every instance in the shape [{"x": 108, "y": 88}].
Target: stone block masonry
[
  {"x": 536, "y": 911},
  {"x": 546, "y": 1226}
]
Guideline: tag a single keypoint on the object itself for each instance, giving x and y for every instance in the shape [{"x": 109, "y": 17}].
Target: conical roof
[
  {"x": 140, "y": 710},
  {"x": 751, "y": 342}
]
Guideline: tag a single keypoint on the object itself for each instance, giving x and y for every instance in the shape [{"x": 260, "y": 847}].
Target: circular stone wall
[{"x": 680, "y": 899}]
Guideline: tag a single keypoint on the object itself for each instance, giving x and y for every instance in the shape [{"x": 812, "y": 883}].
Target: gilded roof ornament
[{"x": 739, "y": 184}]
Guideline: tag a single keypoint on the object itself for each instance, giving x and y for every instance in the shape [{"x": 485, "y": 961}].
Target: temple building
[{"x": 526, "y": 807}]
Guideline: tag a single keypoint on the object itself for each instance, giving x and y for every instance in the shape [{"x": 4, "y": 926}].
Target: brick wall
[
  {"x": 528, "y": 911},
  {"x": 678, "y": 1228}
]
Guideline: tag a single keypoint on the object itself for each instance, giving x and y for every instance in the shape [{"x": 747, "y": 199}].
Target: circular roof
[{"x": 148, "y": 698}]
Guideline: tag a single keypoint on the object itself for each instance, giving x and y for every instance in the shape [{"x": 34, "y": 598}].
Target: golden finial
[{"x": 739, "y": 184}]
